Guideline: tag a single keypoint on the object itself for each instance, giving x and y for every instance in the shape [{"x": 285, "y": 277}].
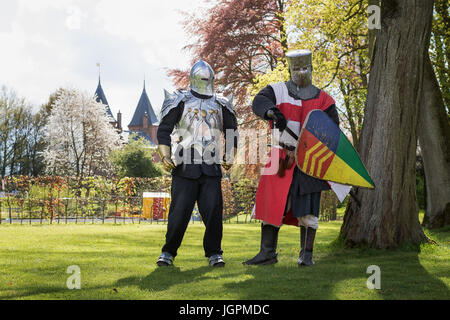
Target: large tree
[
  {"x": 32, "y": 161},
  {"x": 15, "y": 125},
  {"x": 388, "y": 215},
  {"x": 434, "y": 137},
  {"x": 21, "y": 135},
  {"x": 434, "y": 133},
  {"x": 79, "y": 136}
]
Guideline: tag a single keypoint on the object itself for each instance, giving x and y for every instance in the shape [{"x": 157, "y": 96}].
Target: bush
[{"x": 136, "y": 160}]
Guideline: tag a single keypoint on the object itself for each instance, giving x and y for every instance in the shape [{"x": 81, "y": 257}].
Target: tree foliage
[
  {"x": 336, "y": 32},
  {"x": 14, "y": 120},
  {"x": 34, "y": 163},
  {"x": 135, "y": 159},
  {"x": 21, "y": 137},
  {"x": 240, "y": 39}
]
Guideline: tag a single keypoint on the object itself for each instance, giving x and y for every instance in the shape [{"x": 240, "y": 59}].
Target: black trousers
[{"x": 207, "y": 192}]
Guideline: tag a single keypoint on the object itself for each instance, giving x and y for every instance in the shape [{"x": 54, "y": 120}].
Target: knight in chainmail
[{"x": 290, "y": 196}]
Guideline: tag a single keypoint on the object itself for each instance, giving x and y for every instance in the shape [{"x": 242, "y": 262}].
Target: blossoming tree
[{"x": 79, "y": 136}]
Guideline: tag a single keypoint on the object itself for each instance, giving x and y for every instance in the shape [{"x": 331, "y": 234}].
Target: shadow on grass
[
  {"x": 25, "y": 292},
  {"x": 36, "y": 291},
  {"x": 339, "y": 273},
  {"x": 163, "y": 278},
  {"x": 343, "y": 275}
]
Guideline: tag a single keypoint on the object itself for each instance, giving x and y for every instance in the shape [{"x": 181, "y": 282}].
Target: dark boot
[
  {"x": 302, "y": 243},
  {"x": 267, "y": 253},
  {"x": 306, "y": 258}
]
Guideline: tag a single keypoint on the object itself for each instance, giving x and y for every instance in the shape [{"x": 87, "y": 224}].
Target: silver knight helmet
[
  {"x": 202, "y": 78},
  {"x": 300, "y": 67}
]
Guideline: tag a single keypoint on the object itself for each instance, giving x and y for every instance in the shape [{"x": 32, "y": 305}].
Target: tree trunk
[
  {"x": 434, "y": 137},
  {"x": 388, "y": 215}
]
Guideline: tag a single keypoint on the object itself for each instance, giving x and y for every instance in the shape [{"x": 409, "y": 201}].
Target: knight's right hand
[
  {"x": 168, "y": 164},
  {"x": 278, "y": 117},
  {"x": 165, "y": 154}
]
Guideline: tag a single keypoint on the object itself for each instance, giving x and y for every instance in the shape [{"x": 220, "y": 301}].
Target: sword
[
  {"x": 283, "y": 163},
  {"x": 271, "y": 115},
  {"x": 290, "y": 159},
  {"x": 292, "y": 133}
]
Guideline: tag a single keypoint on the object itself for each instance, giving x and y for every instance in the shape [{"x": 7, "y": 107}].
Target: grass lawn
[{"x": 119, "y": 262}]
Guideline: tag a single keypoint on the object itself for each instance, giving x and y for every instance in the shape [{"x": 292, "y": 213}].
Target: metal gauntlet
[{"x": 165, "y": 154}]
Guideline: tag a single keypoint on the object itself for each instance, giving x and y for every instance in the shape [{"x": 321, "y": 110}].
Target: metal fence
[
  {"x": 15, "y": 209},
  {"x": 118, "y": 210}
]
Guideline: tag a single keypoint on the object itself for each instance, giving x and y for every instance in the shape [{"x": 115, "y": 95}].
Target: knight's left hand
[{"x": 227, "y": 166}]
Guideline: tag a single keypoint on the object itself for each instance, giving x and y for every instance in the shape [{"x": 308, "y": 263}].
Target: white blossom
[{"x": 79, "y": 136}]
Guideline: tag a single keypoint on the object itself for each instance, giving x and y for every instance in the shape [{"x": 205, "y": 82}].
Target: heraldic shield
[{"x": 324, "y": 152}]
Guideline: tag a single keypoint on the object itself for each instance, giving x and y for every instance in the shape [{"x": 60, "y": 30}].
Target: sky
[{"x": 48, "y": 44}]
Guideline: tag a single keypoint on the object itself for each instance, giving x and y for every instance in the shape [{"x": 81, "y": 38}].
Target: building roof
[
  {"x": 144, "y": 106},
  {"x": 100, "y": 97},
  {"x": 139, "y": 134}
]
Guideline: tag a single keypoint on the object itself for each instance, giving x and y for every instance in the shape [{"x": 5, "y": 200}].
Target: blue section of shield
[{"x": 324, "y": 129}]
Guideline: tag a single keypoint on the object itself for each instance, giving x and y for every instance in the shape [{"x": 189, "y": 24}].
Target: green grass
[{"x": 118, "y": 262}]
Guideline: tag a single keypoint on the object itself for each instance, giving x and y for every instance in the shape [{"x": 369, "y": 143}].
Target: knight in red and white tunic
[{"x": 292, "y": 198}]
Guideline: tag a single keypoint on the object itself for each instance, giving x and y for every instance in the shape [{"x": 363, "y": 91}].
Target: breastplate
[{"x": 200, "y": 129}]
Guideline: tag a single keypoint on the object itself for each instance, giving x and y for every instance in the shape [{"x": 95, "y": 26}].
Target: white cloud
[
  {"x": 47, "y": 44},
  {"x": 75, "y": 18}
]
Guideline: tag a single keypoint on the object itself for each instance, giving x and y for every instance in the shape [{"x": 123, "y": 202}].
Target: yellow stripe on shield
[
  {"x": 308, "y": 153},
  {"x": 321, "y": 161},
  {"x": 314, "y": 158}
]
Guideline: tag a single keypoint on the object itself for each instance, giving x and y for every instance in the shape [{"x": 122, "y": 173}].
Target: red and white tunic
[{"x": 273, "y": 190}]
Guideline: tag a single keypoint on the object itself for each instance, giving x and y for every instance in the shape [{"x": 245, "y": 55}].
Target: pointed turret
[
  {"x": 100, "y": 97},
  {"x": 144, "y": 106}
]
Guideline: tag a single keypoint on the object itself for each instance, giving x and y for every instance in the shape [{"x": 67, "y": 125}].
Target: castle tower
[
  {"x": 144, "y": 122},
  {"x": 100, "y": 97}
]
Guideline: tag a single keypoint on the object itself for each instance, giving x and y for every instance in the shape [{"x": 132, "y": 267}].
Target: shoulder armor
[
  {"x": 173, "y": 100},
  {"x": 226, "y": 102}
]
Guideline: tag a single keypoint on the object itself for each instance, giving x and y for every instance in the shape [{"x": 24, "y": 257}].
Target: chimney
[{"x": 119, "y": 121}]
